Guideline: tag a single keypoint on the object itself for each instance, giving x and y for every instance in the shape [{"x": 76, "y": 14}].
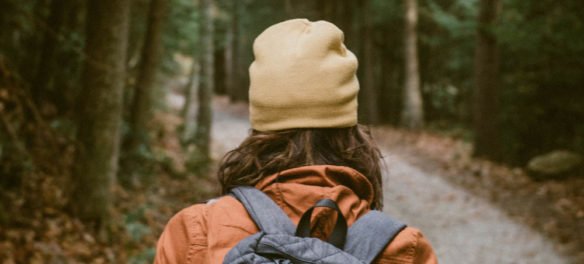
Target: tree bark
[
  {"x": 229, "y": 54},
  {"x": 189, "y": 111},
  {"x": 369, "y": 92},
  {"x": 43, "y": 81},
  {"x": 239, "y": 90},
  {"x": 202, "y": 137},
  {"x": 100, "y": 116},
  {"x": 219, "y": 78},
  {"x": 412, "y": 113},
  {"x": 150, "y": 60},
  {"x": 56, "y": 71},
  {"x": 486, "y": 141},
  {"x": 327, "y": 9}
]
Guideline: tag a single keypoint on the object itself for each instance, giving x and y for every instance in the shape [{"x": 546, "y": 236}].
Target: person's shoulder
[
  {"x": 409, "y": 246},
  {"x": 190, "y": 220},
  {"x": 200, "y": 211},
  {"x": 199, "y": 214}
]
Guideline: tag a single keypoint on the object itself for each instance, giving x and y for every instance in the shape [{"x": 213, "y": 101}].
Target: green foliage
[
  {"x": 542, "y": 81},
  {"x": 181, "y": 34},
  {"x": 137, "y": 230},
  {"x": 145, "y": 256},
  {"x": 134, "y": 224},
  {"x": 446, "y": 34}
]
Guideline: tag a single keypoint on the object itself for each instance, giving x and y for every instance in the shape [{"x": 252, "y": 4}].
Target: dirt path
[{"x": 461, "y": 227}]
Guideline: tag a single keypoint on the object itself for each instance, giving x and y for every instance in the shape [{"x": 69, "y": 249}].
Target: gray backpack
[{"x": 279, "y": 241}]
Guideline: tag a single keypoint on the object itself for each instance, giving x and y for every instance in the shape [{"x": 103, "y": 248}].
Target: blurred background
[{"x": 114, "y": 113}]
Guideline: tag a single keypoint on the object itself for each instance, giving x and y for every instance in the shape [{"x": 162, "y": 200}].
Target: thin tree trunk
[
  {"x": 344, "y": 18},
  {"x": 219, "y": 78},
  {"x": 368, "y": 88},
  {"x": 327, "y": 9},
  {"x": 486, "y": 141},
  {"x": 101, "y": 113},
  {"x": 229, "y": 51},
  {"x": 46, "y": 69},
  {"x": 150, "y": 60},
  {"x": 53, "y": 80},
  {"x": 205, "y": 95},
  {"x": 189, "y": 111},
  {"x": 289, "y": 8},
  {"x": 240, "y": 49},
  {"x": 412, "y": 113}
]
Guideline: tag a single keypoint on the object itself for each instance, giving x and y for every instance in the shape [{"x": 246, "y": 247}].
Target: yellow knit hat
[{"x": 303, "y": 76}]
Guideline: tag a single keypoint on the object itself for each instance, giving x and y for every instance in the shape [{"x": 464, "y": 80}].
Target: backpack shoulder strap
[
  {"x": 370, "y": 234},
  {"x": 267, "y": 215}
]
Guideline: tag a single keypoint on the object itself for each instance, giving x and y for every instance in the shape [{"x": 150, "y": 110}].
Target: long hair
[{"x": 265, "y": 153}]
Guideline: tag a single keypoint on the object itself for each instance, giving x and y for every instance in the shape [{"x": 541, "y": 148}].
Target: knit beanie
[{"x": 303, "y": 76}]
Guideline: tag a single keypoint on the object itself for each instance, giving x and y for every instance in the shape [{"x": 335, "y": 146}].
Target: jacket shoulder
[
  {"x": 409, "y": 246},
  {"x": 197, "y": 233},
  {"x": 194, "y": 220},
  {"x": 185, "y": 229}
]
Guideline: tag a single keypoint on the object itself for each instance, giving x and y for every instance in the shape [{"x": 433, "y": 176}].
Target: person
[{"x": 305, "y": 145}]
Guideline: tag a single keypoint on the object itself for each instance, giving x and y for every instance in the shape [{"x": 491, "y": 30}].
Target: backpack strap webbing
[
  {"x": 370, "y": 234},
  {"x": 267, "y": 215}
]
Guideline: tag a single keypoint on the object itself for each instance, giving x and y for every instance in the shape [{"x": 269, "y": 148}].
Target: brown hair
[{"x": 265, "y": 153}]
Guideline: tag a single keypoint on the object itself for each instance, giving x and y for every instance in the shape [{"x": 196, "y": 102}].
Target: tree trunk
[
  {"x": 101, "y": 113},
  {"x": 412, "y": 113},
  {"x": 369, "y": 93},
  {"x": 189, "y": 111},
  {"x": 229, "y": 54},
  {"x": 202, "y": 137},
  {"x": 288, "y": 8},
  {"x": 327, "y": 9},
  {"x": 486, "y": 141},
  {"x": 45, "y": 71},
  {"x": 142, "y": 103},
  {"x": 219, "y": 80},
  {"x": 56, "y": 72},
  {"x": 240, "y": 76}
]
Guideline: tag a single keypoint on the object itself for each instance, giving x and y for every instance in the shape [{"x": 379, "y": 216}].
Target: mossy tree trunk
[
  {"x": 150, "y": 61},
  {"x": 100, "y": 111},
  {"x": 143, "y": 103}
]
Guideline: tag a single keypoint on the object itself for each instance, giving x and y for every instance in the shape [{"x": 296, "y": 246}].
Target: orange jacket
[{"x": 204, "y": 233}]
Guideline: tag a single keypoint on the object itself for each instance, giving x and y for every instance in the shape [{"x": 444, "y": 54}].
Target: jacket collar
[{"x": 323, "y": 176}]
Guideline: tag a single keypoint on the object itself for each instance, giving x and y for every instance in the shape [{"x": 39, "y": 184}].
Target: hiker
[{"x": 305, "y": 147}]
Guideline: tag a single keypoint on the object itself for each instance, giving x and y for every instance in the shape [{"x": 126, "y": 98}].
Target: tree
[
  {"x": 486, "y": 142},
  {"x": 412, "y": 113},
  {"x": 369, "y": 93},
  {"x": 202, "y": 137},
  {"x": 101, "y": 107},
  {"x": 150, "y": 60},
  {"x": 57, "y": 70},
  {"x": 189, "y": 110},
  {"x": 46, "y": 68},
  {"x": 230, "y": 50}
]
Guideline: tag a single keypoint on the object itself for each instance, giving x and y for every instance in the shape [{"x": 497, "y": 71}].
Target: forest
[{"x": 95, "y": 158}]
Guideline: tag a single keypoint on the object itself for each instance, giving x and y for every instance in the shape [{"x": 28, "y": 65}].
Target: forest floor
[{"x": 472, "y": 211}]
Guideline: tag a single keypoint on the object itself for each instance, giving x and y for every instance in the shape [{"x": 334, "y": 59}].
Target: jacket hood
[{"x": 296, "y": 190}]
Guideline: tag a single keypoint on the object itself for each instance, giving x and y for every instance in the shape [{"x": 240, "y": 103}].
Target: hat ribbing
[{"x": 303, "y": 76}]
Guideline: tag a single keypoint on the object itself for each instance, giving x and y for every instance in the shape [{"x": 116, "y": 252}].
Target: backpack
[{"x": 279, "y": 241}]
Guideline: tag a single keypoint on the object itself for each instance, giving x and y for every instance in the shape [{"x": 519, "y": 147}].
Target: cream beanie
[{"x": 303, "y": 76}]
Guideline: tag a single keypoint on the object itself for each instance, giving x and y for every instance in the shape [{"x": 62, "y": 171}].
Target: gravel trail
[{"x": 461, "y": 227}]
